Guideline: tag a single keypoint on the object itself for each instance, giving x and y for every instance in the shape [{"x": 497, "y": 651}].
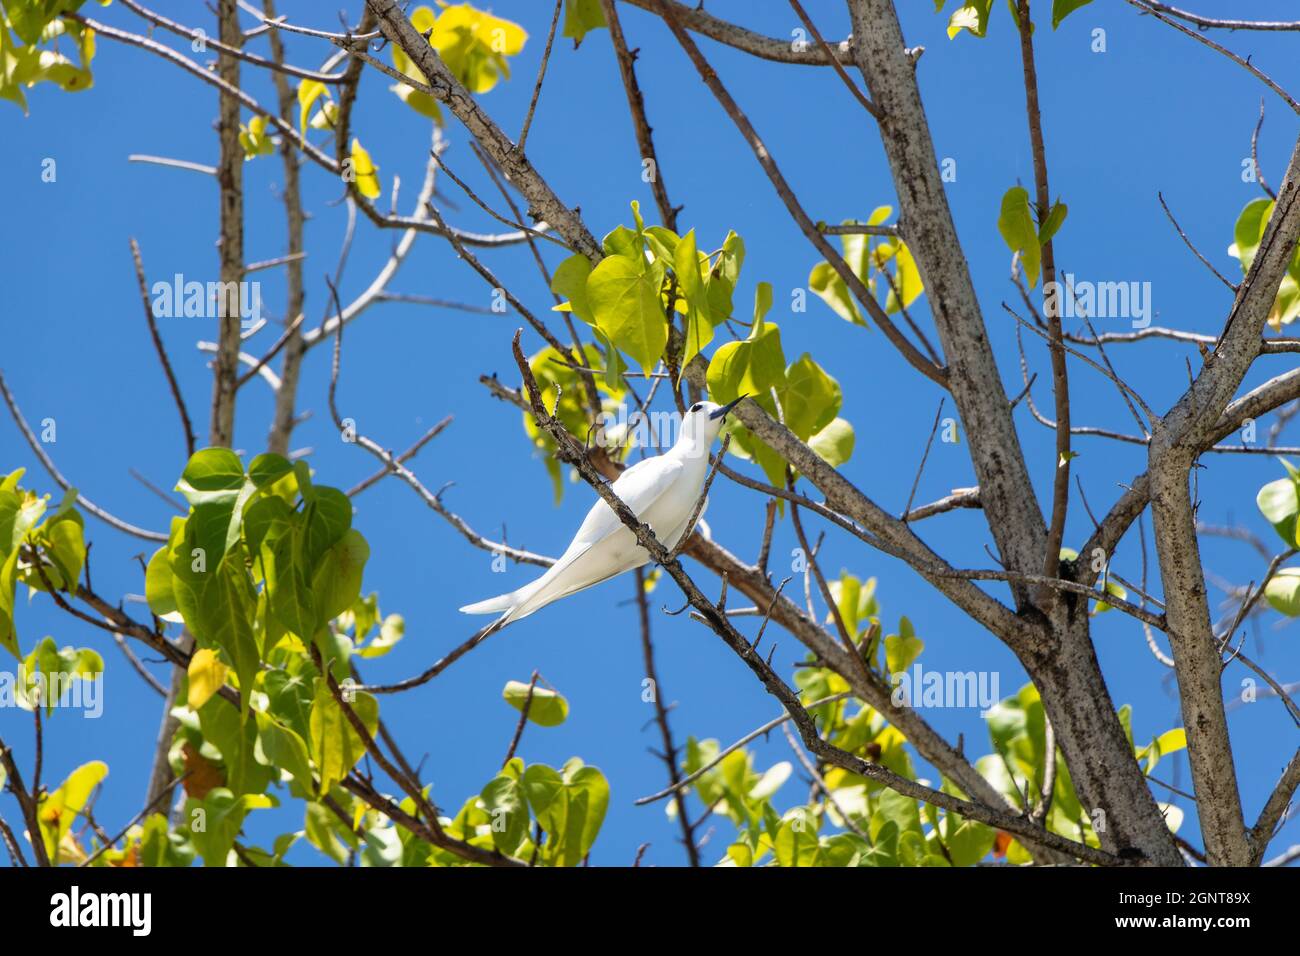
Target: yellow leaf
[
  {"x": 58, "y": 810},
  {"x": 364, "y": 172},
  {"x": 475, "y": 44},
  {"x": 308, "y": 92},
  {"x": 70, "y": 851},
  {"x": 207, "y": 675},
  {"x": 1172, "y": 741}
]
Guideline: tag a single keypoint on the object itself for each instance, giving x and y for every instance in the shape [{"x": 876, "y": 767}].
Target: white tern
[{"x": 660, "y": 491}]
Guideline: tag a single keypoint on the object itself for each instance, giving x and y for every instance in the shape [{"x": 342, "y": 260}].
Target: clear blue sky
[{"x": 1156, "y": 111}]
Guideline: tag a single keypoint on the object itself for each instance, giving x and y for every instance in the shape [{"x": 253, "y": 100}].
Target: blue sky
[{"x": 1155, "y": 111}]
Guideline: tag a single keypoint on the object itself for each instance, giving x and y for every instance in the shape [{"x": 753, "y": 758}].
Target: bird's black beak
[{"x": 722, "y": 412}]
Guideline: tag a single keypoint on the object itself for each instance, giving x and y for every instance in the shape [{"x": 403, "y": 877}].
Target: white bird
[{"x": 660, "y": 491}]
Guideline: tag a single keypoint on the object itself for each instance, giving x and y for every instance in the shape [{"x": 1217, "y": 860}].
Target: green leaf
[
  {"x": 1019, "y": 232},
  {"x": 223, "y": 817},
  {"x": 847, "y": 592},
  {"x": 547, "y": 709},
  {"x": 724, "y": 276},
  {"x": 661, "y": 241},
  {"x": 504, "y": 800},
  {"x": 1063, "y": 8},
  {"x": 392, "y": 630},
  {"x": 811, "y": 399},
  {"x": 328, "y": 516},
  {"x": 834, "y": 443},
  {"x": 336, "y": 582},
  {"x": 691, "y": 287},
  {"x": 967, "y": 842},
  {"x": 894, "y": 809},
  {"x": 212, "y": 475},
  {"x": 323, "y": 831},
  {"x": 902, "y": 649},
  {"x": 1283, "y": 592},
  {"x": 264, "y": 519},
  {"x": 335, "y": 744},
  {"x": 1056, "y": 218},
  {"x": 569, "y": 806},
  {"x": 581, "y": 17},
  {"x": 754, "y": 366},
  {"x": 58, "y": 666},
  {"x": 290, "y": 699},
  {"x": 266, "y": 469},
  {"x": 796, "y": 842},
  {"x": 288, "y": 578},
  {"x": 8, "y": 584},
  {"x": 236, "y": 739},
  {"x": 831, "y": 288},
  {"x": 1279, "y": 502},
  {"x": 1249, "y": 230},
  {"x": 972, "y": 16},
  {"x": 626, "y": 304},
  {"x": 622, "y": 241},
  {"x": 216, "y": 598},
  {"x": 285, "y": 749},
  {"x": 570, "y": 281}
]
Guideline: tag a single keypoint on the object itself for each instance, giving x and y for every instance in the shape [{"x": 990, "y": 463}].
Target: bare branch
[
  {"x": 541, "y": 75},
  {"x": 1275, "y": 809},
  {"x": 173, "y": 163},
  {"x": 63, "y": 482},
  {"x": 698, "y": 21},
  {"x": 1154, "y": 10},
  {"x": 636, "y": 106},
  {"x": 162, "y": 352}
]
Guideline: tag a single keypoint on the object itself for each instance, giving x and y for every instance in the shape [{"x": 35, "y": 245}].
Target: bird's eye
[{"x": 696, "y": 407}]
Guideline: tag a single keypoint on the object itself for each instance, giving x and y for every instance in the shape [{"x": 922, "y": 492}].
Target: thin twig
[
  {"x": 153, "y": 805},
  {"x": 861, "y": 97},
  {"x": 162, "y": 352},
  {"x": 1244, "y": 63},
  {"x": 523, "y": 719},
  {"x": 541, "y": 75},
  {"x": 1254, "y": 153},
  {"x": 727, "y": 751},
  {"x": 669, "y": 754},
  {"x": 173, "y": 163},
  {"x": 921, "y": 467},
  {"x": 411, "y": 452},
  {"x": 1188, "y": 242},
  {"x": 62, "y": 482}
]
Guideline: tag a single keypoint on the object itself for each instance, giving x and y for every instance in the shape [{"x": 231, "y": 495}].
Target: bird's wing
[{"x": 638, "y": 487}]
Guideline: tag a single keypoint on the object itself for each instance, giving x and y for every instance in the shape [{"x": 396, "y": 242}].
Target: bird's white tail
[{"x": 503, "y": 602}]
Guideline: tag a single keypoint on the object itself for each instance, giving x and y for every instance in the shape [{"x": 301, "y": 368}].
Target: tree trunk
[{"x": 1106, "y": 776}]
